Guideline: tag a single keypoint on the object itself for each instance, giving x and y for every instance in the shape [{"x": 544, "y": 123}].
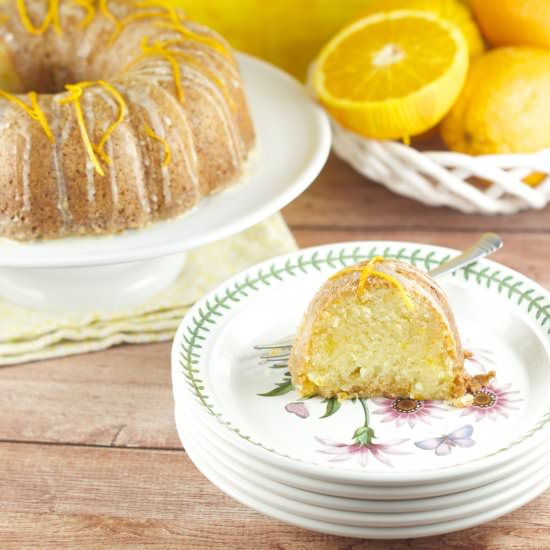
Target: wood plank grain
[
  {"x": 68, "y": 494},
  {"x": 340, "y": 197},
  {"x": 90, "y": 497},
  {"x": 121, "y": 397}
]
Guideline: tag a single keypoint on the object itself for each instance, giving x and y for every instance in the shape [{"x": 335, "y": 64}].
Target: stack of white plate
[{"x": 428, "y": 469}]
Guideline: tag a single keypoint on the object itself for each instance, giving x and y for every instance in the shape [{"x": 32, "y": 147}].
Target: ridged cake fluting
[{"x": 112, "y": 115}]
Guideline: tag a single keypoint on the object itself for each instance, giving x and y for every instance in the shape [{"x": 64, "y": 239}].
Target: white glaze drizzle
[
  {"x": 189, "y": 153},
  {"x": 216, "y": 98},
  {"x": 26, "y": 167},
  {"x": 212, "y": 94},
  {"x": 158, "y": 128},
  {"x": 62, "y": 199},
  {"x": 86, "y": 102},
  {"x": 114, "y": 184},
  {"x": 135, "y": 160}
]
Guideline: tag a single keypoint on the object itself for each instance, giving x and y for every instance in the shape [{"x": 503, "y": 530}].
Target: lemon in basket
[
  {"x": 455, "y": 11},
  {"x": 503, "y": 107},
  {"x": 286, "y": 32},
  {"x": 514, "y": 22},
  {"x": 392, "y": 75}
]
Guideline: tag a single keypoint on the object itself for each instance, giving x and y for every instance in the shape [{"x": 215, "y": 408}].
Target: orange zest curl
[
  {"x": 104, "y": 9},
  {"x": 157, "y": 49},
  {"x": 52, "y": 18},
  {"x": 132, "y": 18},
  {"x": 177, "y": 25},
  {"x": 75, "y": 93},
  {"x": 190, "y": 35},
  {"x": 87, "y": 5},
  {"x": 122, "y": 111},
  {"x": 160, "y": 48},
  {"x": 34, "y": 111},
  {"x": 167, "y": 155},
  {"x": 366, "y": 271},
  {"x": 193, "y": 61}
]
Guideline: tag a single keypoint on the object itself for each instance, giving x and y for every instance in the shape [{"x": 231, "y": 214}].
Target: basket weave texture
[{"x": 485, "y": 184}]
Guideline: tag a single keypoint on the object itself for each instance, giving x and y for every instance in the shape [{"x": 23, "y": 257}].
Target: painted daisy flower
[
  {"x": 479, "y": 358},
  {"x": 360, "y": 451},
  {"x": 362, "y": 446},
  {"x": 492, "y": 401},
  {"x": 407, "y": 411}
]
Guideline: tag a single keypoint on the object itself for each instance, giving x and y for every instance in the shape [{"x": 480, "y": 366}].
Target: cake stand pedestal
[
  {"x": 108, "y": 272},
  {"x": 104, "y": 287}
]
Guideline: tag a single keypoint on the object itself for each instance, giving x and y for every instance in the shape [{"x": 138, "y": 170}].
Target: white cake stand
[{"x": 83, "y": 273}]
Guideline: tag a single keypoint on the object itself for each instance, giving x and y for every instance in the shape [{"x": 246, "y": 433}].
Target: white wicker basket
[{"x": 443, "y": 178}]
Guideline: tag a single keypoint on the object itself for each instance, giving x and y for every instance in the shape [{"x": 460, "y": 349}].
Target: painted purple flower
[
  {"x": 407, "y": 411},
  {"x": 492, "y": 401},
  {"x": 480, "y": 358},
  {"x": 298, "y": 408},
  {"x": 360, "y": 451},
  {"x": 444, "y": 445}
]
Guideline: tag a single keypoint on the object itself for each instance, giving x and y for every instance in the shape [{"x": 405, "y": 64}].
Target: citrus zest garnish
[
  {"x": 76, "y": 91},
  {"x": 186, "y": 33},
  {"x": 156, "y": 49},
  {"x": 90, "y": 12},
  {"x": 121, "y": 23},
  {"x": 122, "y": 110},
  {"x": 34, "y": 111},
  {"x": 167, "y": 156},
  {"x": 208, "y": 73},
  {"x": 104, "y": 9},
  {"x": 177, "y": 25},
  {"x": 366, "y": 271},
  {"x": 40, "y": 116},
  {"x": 52, "y": 16}
]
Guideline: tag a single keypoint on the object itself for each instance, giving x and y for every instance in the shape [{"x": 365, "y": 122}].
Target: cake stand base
[{"x": 97, "y": 288}]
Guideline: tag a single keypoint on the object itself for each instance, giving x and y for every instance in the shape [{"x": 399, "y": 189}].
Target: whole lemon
[
  {"x": 454, "y": 11},
  {"x": 286, "y": 32},
  {"x": 504, "y": 105},
  {"x": 514, "y": 22}
]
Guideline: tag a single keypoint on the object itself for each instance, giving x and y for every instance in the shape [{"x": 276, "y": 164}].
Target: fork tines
[
  {"x": 273, "y": 346},
  {"x": 272, "y": 357}
]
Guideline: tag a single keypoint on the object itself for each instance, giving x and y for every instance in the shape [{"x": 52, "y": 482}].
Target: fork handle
[{"x": 487, "y": 244}]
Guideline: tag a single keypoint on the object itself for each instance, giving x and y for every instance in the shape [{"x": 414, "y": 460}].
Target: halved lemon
[
  {"x": 392, "y": 75},
  {"x": 454, "y": 11}
]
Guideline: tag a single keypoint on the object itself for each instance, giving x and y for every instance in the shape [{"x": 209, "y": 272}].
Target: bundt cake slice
[{"x": 380, "y": 328}]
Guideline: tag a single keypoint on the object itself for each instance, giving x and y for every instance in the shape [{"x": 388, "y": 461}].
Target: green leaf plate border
[{"x": 211, "y": 309}]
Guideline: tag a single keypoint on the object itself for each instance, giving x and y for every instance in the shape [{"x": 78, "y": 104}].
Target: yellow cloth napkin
[{"x": 29, "y": 335}]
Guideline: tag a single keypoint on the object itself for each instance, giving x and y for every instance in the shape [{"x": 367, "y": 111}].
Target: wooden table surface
[{"x": 89, "y": 455}]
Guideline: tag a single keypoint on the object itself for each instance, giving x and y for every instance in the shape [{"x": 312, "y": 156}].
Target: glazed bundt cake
[
  {"x": 113, "y": 114},
  {"x": 380, "y": 328}
]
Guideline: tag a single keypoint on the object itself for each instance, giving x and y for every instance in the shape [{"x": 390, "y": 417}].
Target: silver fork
[{"x": 486, "y": 245}]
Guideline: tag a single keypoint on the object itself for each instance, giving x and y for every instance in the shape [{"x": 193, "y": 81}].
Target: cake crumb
[
  {"x": 475, "y": 383},
  {"x": 461, "y": 402}
]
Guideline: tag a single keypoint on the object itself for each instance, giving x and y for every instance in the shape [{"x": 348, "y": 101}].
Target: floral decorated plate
[
  {"x": 414, "y": 510},
  {"x": 296, "y": 514},
  {"x": 360, "y": 497},
  {"x": 503, "y": 318}
]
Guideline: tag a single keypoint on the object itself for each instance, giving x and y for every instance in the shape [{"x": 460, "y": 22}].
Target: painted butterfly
[{"x": 444, "y": 445}]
